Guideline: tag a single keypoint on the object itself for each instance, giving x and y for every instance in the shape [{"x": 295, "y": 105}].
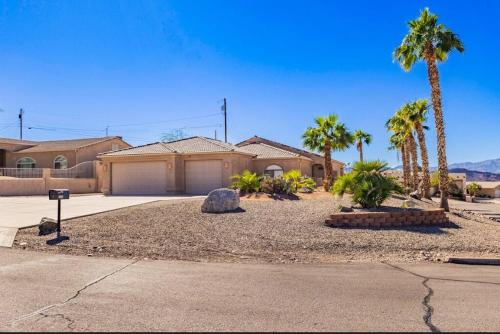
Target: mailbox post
[{"x": 58, "y": 194}]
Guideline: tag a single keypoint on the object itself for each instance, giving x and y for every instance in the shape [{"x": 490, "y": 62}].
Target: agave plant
[{"x": 368, "y": 186}]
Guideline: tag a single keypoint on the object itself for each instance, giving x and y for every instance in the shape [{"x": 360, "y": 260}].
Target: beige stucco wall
[
  {"x": 42, "y": 159},
  {"x": 41, "y": 186},
  {"x": 90, "y": 153}
]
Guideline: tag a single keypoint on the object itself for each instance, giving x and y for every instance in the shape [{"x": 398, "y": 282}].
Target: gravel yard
[{"x": 263, "y": 231}]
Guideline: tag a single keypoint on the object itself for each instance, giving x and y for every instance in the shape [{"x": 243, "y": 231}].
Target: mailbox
[{"x": 58, "y": 194}]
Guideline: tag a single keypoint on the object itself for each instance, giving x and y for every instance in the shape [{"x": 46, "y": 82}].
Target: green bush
[
  {"x": 298, "y": 182},
  {"x": 277, "y": 185},
  {"x": 368, "y": 186},
  {"x": 473, "y": 188},
  {"x": 247, "y": 182}
]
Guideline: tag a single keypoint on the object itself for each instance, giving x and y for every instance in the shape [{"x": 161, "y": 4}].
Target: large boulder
[
  {"x": 221, "y": 200},
  {"x": 47, "y": 226}
]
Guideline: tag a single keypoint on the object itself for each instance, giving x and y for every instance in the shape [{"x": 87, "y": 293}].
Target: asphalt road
[{"x": 46, "y": 292}]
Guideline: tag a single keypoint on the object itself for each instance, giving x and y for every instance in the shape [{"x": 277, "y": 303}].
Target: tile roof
[
  {"x": 264, "y": 151},
  {"x": 487, "y": 184},
  {"x": 182, "y": 146},
  {"x": 16, "y": 141},
  {"x": 60, "y": 145},
  {"x": 257, "y": 139}
]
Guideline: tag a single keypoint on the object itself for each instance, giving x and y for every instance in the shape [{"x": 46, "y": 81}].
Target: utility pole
[
  {"x": 107, "y": 130},
  {"x": 225, "y": 120},
  {"x": 21, "y": 113},
  {"x": 215, "y": 137}
]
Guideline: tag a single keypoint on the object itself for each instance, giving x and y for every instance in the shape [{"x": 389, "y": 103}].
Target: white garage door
[
  {"x": 139, "y": 178},
  {"x": 203, "y": 176}
]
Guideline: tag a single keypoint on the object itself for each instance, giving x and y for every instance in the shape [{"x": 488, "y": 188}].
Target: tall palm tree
[
  {"x": 361, "y": 137},
  {"x": 431, "y": 42},
  {"x": 400, "y": 125},
  {"x": 328, "y": 135},
  {"x": 397, "y": 141},
  {"x": 418, "y": 116}
]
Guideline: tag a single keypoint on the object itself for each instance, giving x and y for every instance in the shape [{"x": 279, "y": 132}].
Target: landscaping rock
[
  {"x": 346, "y": 209},
  {"x": 221, "y": 200},
  {"x": 47, "y": 226},
  {"x": 306, "y": 190}
]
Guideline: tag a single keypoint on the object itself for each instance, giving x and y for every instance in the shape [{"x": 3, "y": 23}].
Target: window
[
  {"x": 274, "y": 171},
  {"x": 26, "y": 163},
  {"x": 60, "y": 162}
]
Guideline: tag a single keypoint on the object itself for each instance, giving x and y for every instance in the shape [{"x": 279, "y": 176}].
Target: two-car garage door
[
  {"x": 150, "y": 178},
  {"x": 139, "y": 178}
]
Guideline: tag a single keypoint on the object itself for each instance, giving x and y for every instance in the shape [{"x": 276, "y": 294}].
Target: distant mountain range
[
  {"x": 488, "y": 170},
  {"x": 489, "y": 166}
]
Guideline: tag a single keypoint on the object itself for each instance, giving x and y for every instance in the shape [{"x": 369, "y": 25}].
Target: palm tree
[
  {"x": 431, "y": 42},
  {"x": 418, "y": 116},
  {"x": 400, "y": 125},
  {"x": 361, "y": 137},
  {"x": 397, "y": 141},
  {"x": 328, "y": 135}
]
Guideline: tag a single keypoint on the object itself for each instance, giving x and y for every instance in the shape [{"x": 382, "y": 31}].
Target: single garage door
[
  {"x": 203, "y": 176},
  {"x": 139, "y": 178}
]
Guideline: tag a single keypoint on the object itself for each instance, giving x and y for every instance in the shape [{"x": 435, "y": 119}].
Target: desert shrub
[
  {"x": 368, "y": 186},
  {"x": 277, "y": 185},
  {"x": 298, "y": 181},
  {"x": 247, "y": 182},
  {"x": 453, "y": 189},
  {"x": 473, "y": 188}
]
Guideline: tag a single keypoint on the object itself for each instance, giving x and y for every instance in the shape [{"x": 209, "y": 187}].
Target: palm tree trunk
[
  {"x": 426, "y": 178},
  {"x": 404, "y": 158},
  {"x": 408, "y": 162},
  {"x": 327, "y": 182},
  {"x": 360, "y": 149},
  {"x": 433, "y": 75},
  {"x": 414, "y": 160}
]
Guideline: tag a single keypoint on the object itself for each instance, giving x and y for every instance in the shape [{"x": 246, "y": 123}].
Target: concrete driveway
[
  {"x": 44, "y": 292},
  {"x": 20, "y": 212}
]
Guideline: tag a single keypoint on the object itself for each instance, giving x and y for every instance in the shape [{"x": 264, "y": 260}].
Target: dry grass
[{"x": 263, "y": 231}]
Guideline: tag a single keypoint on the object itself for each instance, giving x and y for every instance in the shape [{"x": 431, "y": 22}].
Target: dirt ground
[{"x": 264, "y": 230}]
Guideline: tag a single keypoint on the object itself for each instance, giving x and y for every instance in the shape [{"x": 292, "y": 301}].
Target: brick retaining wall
[{"x": 409, "y": 217}]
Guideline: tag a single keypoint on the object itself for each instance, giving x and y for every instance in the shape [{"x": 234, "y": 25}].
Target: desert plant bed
[
  {"x": 263, "y": 231},
  {"x": 392, "y": 218}
]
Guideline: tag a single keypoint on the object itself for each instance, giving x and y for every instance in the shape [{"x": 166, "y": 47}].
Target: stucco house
[
  {"x": 198, "y": 165},
  {"x": 56, "y": 154},
  {"x": 488, "y": 189}
]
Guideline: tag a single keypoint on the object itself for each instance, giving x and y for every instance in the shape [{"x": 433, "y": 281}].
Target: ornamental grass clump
[{"x": 368, "y": 186}]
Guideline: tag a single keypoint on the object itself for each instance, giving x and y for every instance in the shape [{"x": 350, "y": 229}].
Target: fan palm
[
  {"x": 431, "y": 42},
  {"x": 328, "y": 135},
  {"x": 399, "y": 124},
  {"x": 361, "y": 137},
  {"x": 417, "y": 115}
]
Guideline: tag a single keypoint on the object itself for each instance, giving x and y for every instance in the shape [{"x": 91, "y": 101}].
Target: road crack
[
  {"x": 426, "y": 302},
  {"x": 76, "y": 295}
]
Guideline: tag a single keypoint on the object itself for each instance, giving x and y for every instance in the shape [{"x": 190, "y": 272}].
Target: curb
[{"x": 473, "y": 261}]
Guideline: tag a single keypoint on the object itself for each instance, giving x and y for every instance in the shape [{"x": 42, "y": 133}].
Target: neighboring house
[
  {"x": 196, "y": 165},
  {"x": 314, "y": 168},
  {"x": 488, "y": 189},
  {"x": 56, "y": 154}
]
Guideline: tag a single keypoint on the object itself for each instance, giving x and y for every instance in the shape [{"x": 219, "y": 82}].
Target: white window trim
[
  {"x": 17, "y": 161},
  {"x": 55, "y": 160}
]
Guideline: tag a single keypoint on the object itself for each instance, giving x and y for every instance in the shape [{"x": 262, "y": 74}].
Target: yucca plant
[
  {"x": 368, "y": 186},
  {"x": 247, "y": 182}
]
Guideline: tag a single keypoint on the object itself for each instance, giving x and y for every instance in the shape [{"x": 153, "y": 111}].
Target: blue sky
[{"x": 144, "y": 68}]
